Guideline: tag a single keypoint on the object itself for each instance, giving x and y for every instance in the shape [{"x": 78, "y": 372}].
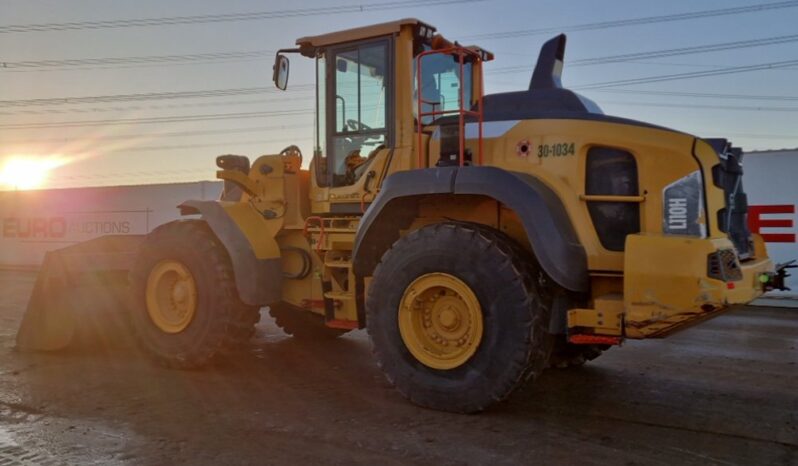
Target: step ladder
[{"x": 332, "y": 239}]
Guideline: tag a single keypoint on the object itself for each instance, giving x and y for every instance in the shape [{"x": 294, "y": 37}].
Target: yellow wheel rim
[
  {"x": 171, "y": 296},
  {"x": 440, "y": 321}
]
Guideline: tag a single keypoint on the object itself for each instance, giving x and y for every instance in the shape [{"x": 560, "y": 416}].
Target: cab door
[{"x": 355, "y": 103}]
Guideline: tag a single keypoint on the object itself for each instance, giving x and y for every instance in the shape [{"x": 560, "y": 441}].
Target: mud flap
[{"x": 81, "y": 290}]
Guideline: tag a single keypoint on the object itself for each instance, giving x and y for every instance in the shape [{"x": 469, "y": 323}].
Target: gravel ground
[{"x": 723, "y": 392}]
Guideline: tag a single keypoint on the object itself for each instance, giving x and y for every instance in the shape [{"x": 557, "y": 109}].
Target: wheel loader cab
[
  {"x": 367, "y": 105},
  {"x": 355, "y": 119}
]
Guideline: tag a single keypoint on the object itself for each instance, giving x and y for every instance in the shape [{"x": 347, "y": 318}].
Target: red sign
[
  {"x": 36, "y": 227},
  {"x": 756, "y": 223}
]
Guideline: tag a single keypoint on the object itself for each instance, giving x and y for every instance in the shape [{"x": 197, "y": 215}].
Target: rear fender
[
  {"x": 548, "y": 228},
  {"x": 249, "y": 238}
]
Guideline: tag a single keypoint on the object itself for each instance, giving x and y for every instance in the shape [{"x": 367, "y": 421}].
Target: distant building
[{"x": 770, "y": 180}]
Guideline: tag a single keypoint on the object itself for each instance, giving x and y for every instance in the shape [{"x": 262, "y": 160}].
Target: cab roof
[{"x": 359, "y": 33}]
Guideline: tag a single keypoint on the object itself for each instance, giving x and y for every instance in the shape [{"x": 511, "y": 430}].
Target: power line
[
  {"x": 709, "y": 107},
  {"x": 665, "y": 53},
  {"x": 150, "y": 174},
  {"x": 134, "y": 174},
  {"x": 123, "y": 67},
  {"x": 150, "y": 136},
  {"x": 703, "y": 95},
  {"x": 121, "y": 62},
  {"x": 155, "y": 120},
  {"x": 754, "y": 135},
  {"x": 93, "y": 63},
  {"x": 147, "y": 96},
  {"x": 223, "y": 18},
  {"x": 637, "y": 21},
  {"x": 686, "y": 50},
  {"x": 196, "y": 146},
  {"x": 695, "y": 74},
  {"x": 137, "y": 60},
  {"x": 245, "y": 91},
  {"x": 56, "y": 110},
  {"x": 194, "y": 173},
  {"x": 175, "y": 119},
  {"x": 128, "y": 177},
  {"x": 692, "y": 65}
]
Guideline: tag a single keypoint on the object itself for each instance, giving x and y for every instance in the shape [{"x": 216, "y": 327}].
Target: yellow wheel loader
[{"x": 479, "y": 238}]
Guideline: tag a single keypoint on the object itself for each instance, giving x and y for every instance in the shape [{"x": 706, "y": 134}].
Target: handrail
[{"x": 611, "y": 198}]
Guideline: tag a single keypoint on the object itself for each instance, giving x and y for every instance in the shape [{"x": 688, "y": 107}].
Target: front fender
[{"x": 249, "y": 239}]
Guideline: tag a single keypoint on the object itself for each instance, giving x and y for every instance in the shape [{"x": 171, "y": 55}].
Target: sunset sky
[{"x": 212, "y": 78}]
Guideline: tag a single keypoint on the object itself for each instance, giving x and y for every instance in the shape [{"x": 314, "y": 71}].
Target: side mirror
[{"x": 280, "y": 72}]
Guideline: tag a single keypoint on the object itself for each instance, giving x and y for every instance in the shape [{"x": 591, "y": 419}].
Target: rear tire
[
  {"x": 513, "y": 344},
  {"x": 218, "y": 320},
  {"x": 302, "y": 324},
  {"x": 566, "y": 355}
]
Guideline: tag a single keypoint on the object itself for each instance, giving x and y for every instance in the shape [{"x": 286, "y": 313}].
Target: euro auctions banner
[
  {"x": 72, "y": 227},
  {"x": 34, "y": 222}
]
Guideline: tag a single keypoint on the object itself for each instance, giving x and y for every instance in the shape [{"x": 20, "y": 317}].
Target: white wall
[
  {"x": 769, "y": 179},
  {"x": 33, "y": 222}
]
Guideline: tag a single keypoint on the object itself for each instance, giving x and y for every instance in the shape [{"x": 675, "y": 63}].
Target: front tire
[
  {"x": 186, "y": 308},
  {"x": 457, "y": 318}
]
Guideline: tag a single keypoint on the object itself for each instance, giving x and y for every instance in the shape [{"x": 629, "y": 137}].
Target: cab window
[
  {"x": 440, "y": 86},
  {"x": 612, "y": 172},
  {"x": 358, "y": 113}
]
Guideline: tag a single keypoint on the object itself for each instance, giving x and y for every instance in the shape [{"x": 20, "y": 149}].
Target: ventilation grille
[{"x": 723, "y": 265}]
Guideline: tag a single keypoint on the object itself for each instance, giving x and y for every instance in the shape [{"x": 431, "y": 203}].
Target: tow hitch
[{"x": 775, "y": 280}]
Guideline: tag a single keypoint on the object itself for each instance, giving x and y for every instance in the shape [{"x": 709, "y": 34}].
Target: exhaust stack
[{"x": 548, "y": 71}]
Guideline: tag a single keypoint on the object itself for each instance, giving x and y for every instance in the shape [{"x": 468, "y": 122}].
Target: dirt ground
[{"x": 724, "y": 392}]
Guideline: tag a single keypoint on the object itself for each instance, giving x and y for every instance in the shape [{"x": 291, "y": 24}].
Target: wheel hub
[
  {"x": 440, "y": 320},
  {"x": 448, "y": 318},
  {"x": 171, "y": 296}
]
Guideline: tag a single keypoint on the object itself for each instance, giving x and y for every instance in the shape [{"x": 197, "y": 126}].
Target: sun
[{"x": 27, "y": 172}]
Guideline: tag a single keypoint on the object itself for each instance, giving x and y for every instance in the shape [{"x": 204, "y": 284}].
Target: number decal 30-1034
[{"x": 556, "y": 150}]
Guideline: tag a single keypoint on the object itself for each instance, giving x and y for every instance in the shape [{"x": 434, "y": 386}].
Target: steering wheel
[{"x": 355, "y": 125}]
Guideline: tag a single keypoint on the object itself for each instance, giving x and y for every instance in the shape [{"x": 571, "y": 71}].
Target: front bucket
[{"x": 80, "y": 290}]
